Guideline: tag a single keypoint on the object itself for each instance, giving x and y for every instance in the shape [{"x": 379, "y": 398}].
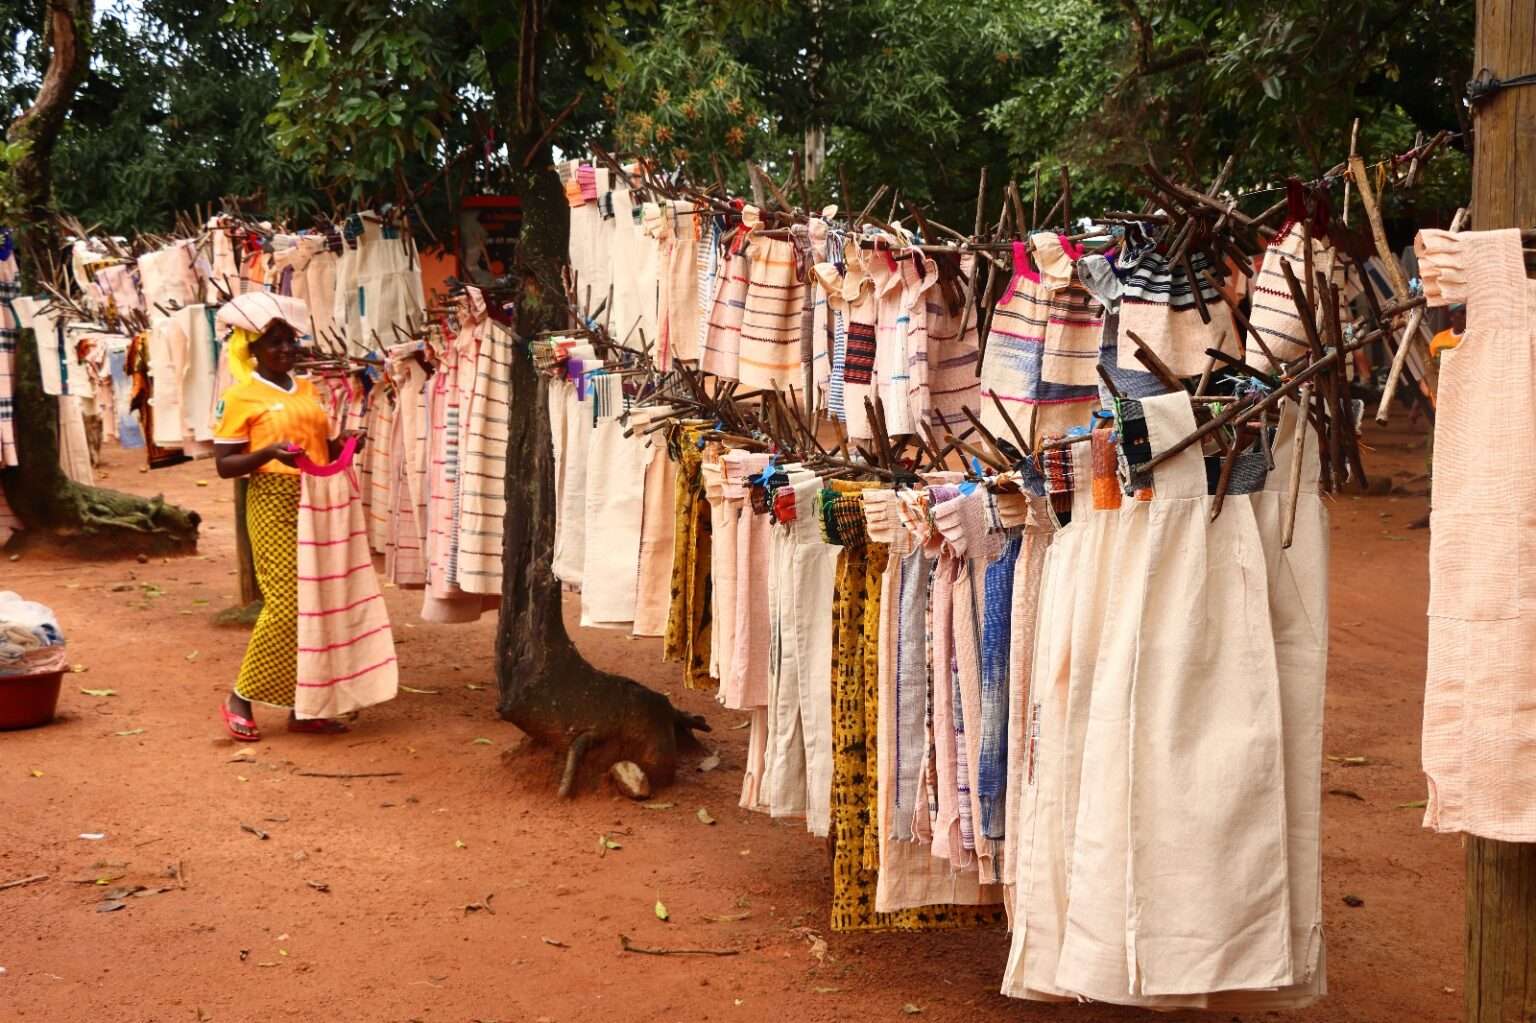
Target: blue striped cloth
[{"x": 996, "y": 617}]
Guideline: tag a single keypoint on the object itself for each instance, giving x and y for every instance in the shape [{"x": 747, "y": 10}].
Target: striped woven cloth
[
  {"x": 346, "y": 650},
  {"x": 483, "y": 464}
]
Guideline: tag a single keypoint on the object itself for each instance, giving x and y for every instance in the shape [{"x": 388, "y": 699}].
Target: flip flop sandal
[
  {"x": 234, "y": 722},
  {"x": 318, "y": 726}
]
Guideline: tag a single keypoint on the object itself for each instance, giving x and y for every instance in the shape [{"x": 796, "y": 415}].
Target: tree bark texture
[
  {"x": 87, "y": 521},
  {"x": 1501, "y": 876},
  {"x": 66, "y": 30},
  {"x": 546, "y": 688}
]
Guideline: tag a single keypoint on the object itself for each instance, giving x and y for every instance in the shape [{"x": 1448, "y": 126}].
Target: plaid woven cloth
[
  {"x": 1135, "y": 445},
  {"x": 1060, "y": 480},
  {"x": 844, "y": 518}
]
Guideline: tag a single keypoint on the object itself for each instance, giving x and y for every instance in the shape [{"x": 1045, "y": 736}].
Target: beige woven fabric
[
  {"x": 346, "y": 655},
  {"x": 1480, "y": 695}
]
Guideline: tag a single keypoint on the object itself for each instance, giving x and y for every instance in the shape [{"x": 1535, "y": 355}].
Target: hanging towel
[{"x": 346, "y": 650}]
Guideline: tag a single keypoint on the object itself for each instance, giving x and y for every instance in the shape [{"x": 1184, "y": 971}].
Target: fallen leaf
[
  {"x": 709, "y": 763},
  {"x": 192, "y": 657},
  {"x": 661, "y": 911},
  {"x": 242, "y": 777},
  {"x": 1417, "y": 804},
  {"x": 79, "y": 669},
  {"x": 131, "y": 731},
  {"x": 1353, "y": 901},
  {"x": 94, "y": 836},
  {"x": 481, "y": 742},
  {"x": 727, "y": 918},
  {"x": 554, "y": 942},
  {"x": 202, "y": 483},
  {"x": 738, "y": 726},
  {"x": 472, "y": 687},
  {"x": 604, "y": 843},
  {"x": 99, "y": 692},
  {"x": 658, "y": 806},
  {"x": 826, "y": 990},
  {"x": 319, "y": 886},
  {"x": 36, "y": 773},
  {"x": 110, "y": 907},
  {"x": 252, "y": 829},
  {"x": 458, "y": 843},
  {"x": 485, "y": 904},
  {"x": 1347, "y": 794},
  {"x": 704, "y": 817},
  {"x": 1351, "y": 761},
  {"x": 912, "y": 1010},
  {"x": 423, "y": 692}
]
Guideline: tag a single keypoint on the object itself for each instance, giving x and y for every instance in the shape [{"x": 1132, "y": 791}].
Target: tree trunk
[
  {"x": 66, "y": 31},
  {"x": 86, "y": 521},
  {"x": 1501, "y": 876},
  {"x": 547, "y": 689}
]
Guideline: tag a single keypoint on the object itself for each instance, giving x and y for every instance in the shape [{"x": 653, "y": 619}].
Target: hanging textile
[
  {"x": 483, "y": 473},
  {"x": 346, "y": 651},
  {"x": 1478, "y": 709}
]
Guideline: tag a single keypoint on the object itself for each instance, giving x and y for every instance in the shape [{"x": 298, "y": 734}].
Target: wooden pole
[
  {"x": 244, "y": 558},
  {"x": 1501, "y": 876}
]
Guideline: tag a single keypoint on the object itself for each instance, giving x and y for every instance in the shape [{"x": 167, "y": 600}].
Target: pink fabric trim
[{"x": 341, "y": 462}]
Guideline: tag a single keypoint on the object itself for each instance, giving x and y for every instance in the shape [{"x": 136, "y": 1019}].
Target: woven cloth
[
  {"x": 1479, "y": 740},
  {"x": 346, "y": 652},
  {"x": 1028, "y": 319}
]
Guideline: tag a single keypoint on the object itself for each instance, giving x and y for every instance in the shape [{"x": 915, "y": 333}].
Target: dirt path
[{"x": 249, "y": 939}]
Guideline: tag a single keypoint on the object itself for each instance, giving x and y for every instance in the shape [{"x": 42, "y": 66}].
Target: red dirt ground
[{"x": 247, "y": 939}]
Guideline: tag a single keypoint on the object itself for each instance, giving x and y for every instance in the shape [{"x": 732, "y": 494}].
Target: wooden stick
[
  {"x": 1013, "y": 428},
  {"x": 23, "y": 881},
  {"x": 1155, "y": 366},
  {"x": 1245, "y": 409},
  {"x": 357, "y": 774},
  {"x": 1394, "y": 272},
  {"x": 970, "y": 285},
  {"x": 629, "y": 946},
  {"x": 1354, "y": 138},
  {"x": 1224, "y": 479},
  {"x": 1293, "y": 487}
]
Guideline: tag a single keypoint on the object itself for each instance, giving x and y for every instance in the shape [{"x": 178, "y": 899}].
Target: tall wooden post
[{"x": 1501, "y": 876}]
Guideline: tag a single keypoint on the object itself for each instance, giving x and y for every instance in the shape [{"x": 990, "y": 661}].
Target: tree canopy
[{"x": 321, "y": 101}]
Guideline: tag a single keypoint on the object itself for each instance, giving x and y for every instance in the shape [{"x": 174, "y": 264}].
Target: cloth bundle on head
[{"x": 251, "y": 313}]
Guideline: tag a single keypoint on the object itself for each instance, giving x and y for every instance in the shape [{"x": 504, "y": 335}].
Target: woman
[{"x": 264, "y": 424}]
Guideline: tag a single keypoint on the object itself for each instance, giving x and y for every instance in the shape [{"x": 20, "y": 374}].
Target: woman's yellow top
[{"x": 258, "y": 412}]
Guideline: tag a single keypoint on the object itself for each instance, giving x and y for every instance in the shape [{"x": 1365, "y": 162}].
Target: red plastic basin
[{"x": 27, "y": 701}]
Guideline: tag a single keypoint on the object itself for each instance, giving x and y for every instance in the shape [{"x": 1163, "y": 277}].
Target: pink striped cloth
[{"x": 346, "y": 649}]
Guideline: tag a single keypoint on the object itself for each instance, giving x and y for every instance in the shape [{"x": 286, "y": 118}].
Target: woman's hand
[
  {"x": 339, "y": 442},
  {"x": 283, "y": 452}
]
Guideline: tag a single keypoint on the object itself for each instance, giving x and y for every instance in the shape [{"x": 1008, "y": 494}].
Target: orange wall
[{"x": 437, "y": 265}]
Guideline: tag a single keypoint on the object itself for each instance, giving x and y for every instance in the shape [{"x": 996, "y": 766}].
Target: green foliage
[{"x": 170, "y": 114}]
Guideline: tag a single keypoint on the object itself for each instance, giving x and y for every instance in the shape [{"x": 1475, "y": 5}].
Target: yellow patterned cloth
[
  {"x": 269, "y": 672},
  {"x": 688, "y": 621},
  {"x": 855, "y": 682}
]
